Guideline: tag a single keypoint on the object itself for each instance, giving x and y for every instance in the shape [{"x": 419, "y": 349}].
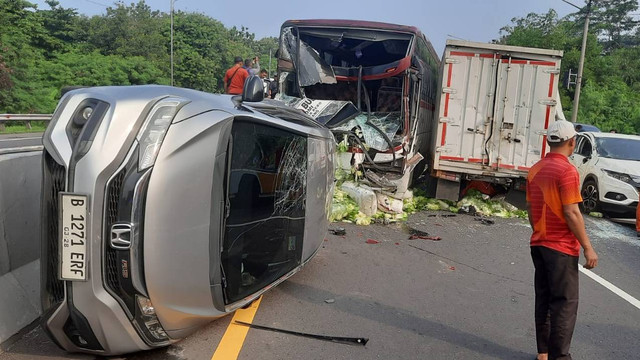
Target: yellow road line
[{"x": 233, "y": 339}]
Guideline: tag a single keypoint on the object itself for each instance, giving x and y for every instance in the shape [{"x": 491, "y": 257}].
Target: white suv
[{"x": 609, "y": 167}]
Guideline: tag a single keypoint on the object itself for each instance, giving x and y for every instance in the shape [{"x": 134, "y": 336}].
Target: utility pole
[
  {"x": 269, "y": 63},
  {"x": 172, "y": 1},
  {"x": 576, "y": 97}
]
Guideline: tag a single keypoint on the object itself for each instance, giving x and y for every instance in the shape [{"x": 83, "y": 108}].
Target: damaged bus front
[{"x": 372, "y": 84}]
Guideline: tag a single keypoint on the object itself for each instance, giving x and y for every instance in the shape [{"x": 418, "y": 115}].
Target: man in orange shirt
[
  {"x": 235, "y": 77},
  {"x": 553, "y": 195}
]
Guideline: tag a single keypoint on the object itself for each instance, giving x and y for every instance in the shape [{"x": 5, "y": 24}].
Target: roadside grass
[{"x": 36, "y": 126}]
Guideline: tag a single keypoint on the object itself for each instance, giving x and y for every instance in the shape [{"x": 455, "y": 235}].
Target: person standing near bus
[
  {"x": 235, "y": 77},
  {"x": 553, "y": 195}
]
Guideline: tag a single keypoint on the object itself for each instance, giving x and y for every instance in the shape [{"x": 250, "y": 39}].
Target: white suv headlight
[
  {"x": 619, "y": 176},
  {"x": 155, "y": 128}
]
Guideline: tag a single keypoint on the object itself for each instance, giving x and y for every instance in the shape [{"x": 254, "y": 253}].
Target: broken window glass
[
  {"x": 265, "y": 224},
  {"x": 388, "y": 123},
  {"x": 311, "y": 68}
]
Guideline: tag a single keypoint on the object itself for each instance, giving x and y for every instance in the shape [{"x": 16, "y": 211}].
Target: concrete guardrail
[{"x": 20, "y": 187}]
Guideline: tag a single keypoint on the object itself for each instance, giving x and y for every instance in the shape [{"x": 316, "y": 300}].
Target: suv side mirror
[
  {"x": 587, "y": 158},
  {"x": 253, "y": 90}
]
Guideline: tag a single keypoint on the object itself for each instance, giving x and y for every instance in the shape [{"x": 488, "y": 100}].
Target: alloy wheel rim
[{"x": 590, "y": 197}]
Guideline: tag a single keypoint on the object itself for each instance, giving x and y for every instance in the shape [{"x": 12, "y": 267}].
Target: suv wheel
[{"x": 590, "y": 197}]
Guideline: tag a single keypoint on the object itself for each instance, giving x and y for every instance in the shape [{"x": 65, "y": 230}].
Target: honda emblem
[{"x": 121, "y": 236}]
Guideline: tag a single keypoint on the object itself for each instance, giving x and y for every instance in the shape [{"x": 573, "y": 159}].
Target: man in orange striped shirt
[{"x": 553, "y": 195}]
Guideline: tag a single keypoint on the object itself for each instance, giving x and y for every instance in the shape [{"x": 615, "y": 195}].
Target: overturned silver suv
[{"x": 165, "y": 208}]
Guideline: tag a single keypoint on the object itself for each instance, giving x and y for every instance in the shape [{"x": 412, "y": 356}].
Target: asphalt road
[
  {"x": 20, "y": 140},
  {"x": 468, "y": 296}
]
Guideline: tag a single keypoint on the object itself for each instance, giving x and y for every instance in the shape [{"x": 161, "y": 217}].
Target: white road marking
[
  {"x": 616, "y": 290},
  {"x": 26, "y": 138}
]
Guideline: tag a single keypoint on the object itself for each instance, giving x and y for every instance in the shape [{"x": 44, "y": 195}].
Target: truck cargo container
[{"x": 494, "y": 106}]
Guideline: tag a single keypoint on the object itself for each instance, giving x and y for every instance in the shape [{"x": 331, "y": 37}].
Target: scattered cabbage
[{"x": 343, "y": 208}]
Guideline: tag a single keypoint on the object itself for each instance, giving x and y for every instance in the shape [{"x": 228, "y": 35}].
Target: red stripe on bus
[
  {"x": 490, "y": 56},
  {"x": 525, "y": 168},
  {"x": 402, "y": 66},
  {"x": 454, "y": 158},
  {"x": 472, "y": 160}
]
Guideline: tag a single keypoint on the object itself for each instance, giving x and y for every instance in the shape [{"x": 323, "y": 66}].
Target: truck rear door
[
  {"x": 494, "y": 108},
  {"x": 525, "y": 104},
  {"x": 467, "y": 101}
]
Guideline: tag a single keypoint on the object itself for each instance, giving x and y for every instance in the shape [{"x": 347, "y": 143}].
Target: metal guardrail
[
  {"x": 21, "y": 149},
  {"x": 26, "y": 118}
]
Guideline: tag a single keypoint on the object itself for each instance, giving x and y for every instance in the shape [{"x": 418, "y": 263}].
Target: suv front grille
[
  {"x": 111, "y": 256},
  {"x": 53, "y": 182}
]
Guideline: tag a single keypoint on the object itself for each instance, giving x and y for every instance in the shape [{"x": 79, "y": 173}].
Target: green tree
[
  {"x": 43, "y": 50},
  {"x": 613, "y": 20},
  {"x": 611, "y": 77}
]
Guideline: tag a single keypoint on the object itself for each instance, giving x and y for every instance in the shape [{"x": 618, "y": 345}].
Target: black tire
[{"x": 590, "y": 197}]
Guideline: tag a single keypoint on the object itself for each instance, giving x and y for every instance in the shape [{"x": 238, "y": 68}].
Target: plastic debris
[
  {"x": 388, "y": 204},
  {"x": 371, "y": 241},
  {"x": 596, "y": 214},
  {"x": 363, "y": 195},
  {"x": 338, "y": 231},
  {"x": 419, "y": 237},
  {"x": 330, "y": 301},
  {"x": 415, "y": 234},
  {"x": 485, "y": 221}
]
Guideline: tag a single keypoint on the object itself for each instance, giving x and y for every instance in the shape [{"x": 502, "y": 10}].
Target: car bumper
[
  {"x": 81, "y": 316},
  {"x": 617, "y": 198}
]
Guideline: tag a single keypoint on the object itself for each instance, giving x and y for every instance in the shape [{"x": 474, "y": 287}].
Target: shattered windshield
[
  {"x": 369, "y": 49},
  {"x": 312, "y": 69},
  {"x": 317, "y": 53},
  {"x": 617, "y": 148}
]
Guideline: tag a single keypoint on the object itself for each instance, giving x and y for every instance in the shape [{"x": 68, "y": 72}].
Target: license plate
[{"x": 73, "y": 237}]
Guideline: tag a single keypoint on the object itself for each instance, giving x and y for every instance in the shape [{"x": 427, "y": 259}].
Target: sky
[{"x": 475, "y": 20}]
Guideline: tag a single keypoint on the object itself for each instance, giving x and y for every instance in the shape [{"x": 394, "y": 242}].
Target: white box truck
[{"x": 495, "y": 104}]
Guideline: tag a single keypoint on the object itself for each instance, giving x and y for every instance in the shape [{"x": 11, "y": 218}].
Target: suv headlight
[
  {"x": 155, "y": 128},
  {"x": 620, "y": 176}
]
